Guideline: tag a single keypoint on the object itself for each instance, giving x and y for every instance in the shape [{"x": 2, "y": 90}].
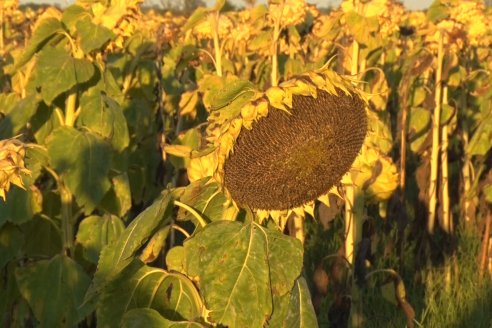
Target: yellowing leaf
[
  {"x": 155, "y": 245},
  {"x": 187, "y": 103},
  {"x": 178, "y": 150}
]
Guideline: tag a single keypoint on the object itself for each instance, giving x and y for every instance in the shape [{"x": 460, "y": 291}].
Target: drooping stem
[
  {"x": 214, "y": 22},
  {"x": 447, "y": 224},
  {"x": 436, "y": 122},
  {"x": 192, "y": 211},
  {"x": 178, "y": 228}
]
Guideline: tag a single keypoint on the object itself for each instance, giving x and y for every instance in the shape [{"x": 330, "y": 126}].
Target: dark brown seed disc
[{"x": 286, "y": 160}]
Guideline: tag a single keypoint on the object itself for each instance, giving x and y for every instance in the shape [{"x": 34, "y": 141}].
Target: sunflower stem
[
  {"x": 447, "y": 222},
  {"x": 193, "y": 212},
  {"x": 70, "y": 109},
  {"x": 276, "y": 34},
  {"x": 436, "y": 122},
  {"x": 349, "y": 186},
  {"x": 66, "y": 218},
  {"x": 2, "y": 29},
  {"x": 485, "y": 244},
  {"x": 296, "y": 227},
  {"x": 466, "y": 169},
  {"x": 214, "y": 22},
  {"x": 354, "y": 207}
]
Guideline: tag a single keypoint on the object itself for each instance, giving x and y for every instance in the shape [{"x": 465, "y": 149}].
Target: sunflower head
[
  {"x": 12, "y": 166},
  {"x": 292, "y": 143}
]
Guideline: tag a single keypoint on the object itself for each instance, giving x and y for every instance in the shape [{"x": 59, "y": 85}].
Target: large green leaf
[
  {"x": 481, "y": 140},
  {"x": 149, "y": 318},
  {"x": 119, "y": 254},
  {"x": 95, "y": 232},
  {"x": 17, "y": 117},
  {"x": 43, "y": 237},
  {"x": 144, "y": 317},
  {"x": 176, "y": 259},
  {"x": 46, "y": 29},
  {"x": 20, "y": 206},
  {"x": 118, "y": 200},
  {"x": 198, "y": 16},
  {"x": 227, "y": 101},
  {"x": 8, "y": 102},
  {"x": 419, "y": 124},
  {"x": 11, "y": 240},
  {"x": 301, "y": 311},
  {"x": 72, "y": 15},
  {"x": 104, "y": 116},
  {"x": 206, "y": 197},
  {"x": 92, "y": 36},
  {"x": 281, "y": 247},
  {"x": 362, "y": 28},
  {"x": 238, "y": 268},
  {"x": 44, "y": 121},
  {"x": 139, "y": 286},
  {"x": 58, "y": 71},
  {"x": 437, "y": 11},
  {"x": 35, "y": 160},
  {"x": 294, "y": 310},
  {"x": 54, "y": 290},
  {"x": 84, "y": 160}
]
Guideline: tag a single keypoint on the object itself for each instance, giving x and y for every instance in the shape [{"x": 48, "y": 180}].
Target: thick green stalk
[
  {"x": 70, "y": 109},
  {"x": 66, "y": 218},
  {"x": 436, "y": 122}
]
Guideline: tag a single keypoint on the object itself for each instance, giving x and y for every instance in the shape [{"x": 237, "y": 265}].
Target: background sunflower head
[{"x": 12, "y": 166}]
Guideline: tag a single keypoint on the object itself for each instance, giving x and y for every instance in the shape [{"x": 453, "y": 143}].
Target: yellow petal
[{"x": 276, "y": 96}]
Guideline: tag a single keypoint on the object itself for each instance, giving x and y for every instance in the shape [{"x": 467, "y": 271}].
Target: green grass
[{"x": 464, "y": 301}]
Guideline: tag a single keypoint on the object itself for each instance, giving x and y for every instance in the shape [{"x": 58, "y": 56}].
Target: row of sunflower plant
[{"x": 159, "y": 170}]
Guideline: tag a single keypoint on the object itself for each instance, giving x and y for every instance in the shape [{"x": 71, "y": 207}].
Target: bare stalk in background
[
  {"x": 349, "y": 185},
  {"x": 436, "y": 123},
  {"x": 2, "y": 27},
  {"x": 277, "y": 28},
  {"x": 447, "y": 222},
  {"x": 485, "y": 244},
  {"x": 214, "y": 18}
]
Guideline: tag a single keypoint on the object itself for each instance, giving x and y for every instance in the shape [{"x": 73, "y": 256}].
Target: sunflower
[
  {"x": 291, "y": 144},
  {"x": 12, "y": 166}
]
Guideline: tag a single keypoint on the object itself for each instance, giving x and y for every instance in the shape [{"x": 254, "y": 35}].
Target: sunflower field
[{"x": 277, "y": 165}]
